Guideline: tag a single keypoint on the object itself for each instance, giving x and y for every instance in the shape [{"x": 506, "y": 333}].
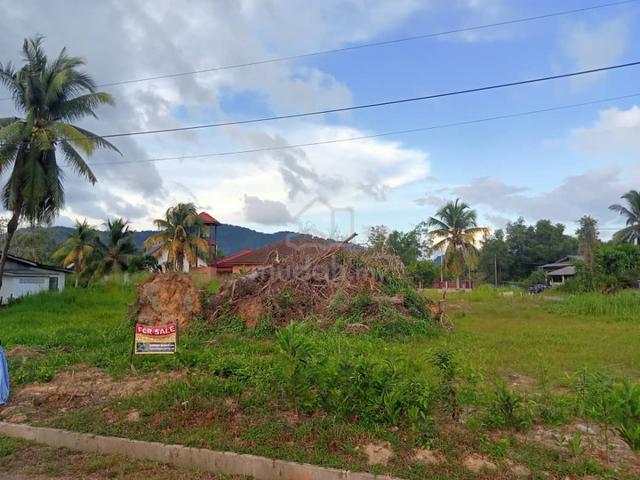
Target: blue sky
[{"x": 557, "y": 165}]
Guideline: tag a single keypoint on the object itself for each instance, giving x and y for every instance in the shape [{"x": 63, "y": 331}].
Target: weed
[
  {"x": 509, "y": 408},
  {"x": 574, "y": 444},
  {"x": 298, "y": 351},
  {"x": 447, "y": 368},
  {"x": 626, "y": 400}
]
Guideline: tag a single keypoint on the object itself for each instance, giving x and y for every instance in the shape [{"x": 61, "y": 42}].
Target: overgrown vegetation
[
  {"x": 621, "y": 306},
  {"x": 315, "y": 394}
]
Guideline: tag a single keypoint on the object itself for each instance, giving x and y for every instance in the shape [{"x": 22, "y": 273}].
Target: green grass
[
  {"x": 84, "y": 325},
  {"x": 244, "y": 394},
  {"x": 622, "y": 306},
  {"x": 527, "y": 335}
]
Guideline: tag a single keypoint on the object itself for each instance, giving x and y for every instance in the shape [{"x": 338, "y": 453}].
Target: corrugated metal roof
[
  {"x": 31, "y": 263},
  {"x": 568, "y": 270}
]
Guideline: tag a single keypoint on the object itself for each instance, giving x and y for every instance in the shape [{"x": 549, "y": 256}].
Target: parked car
[{"x": 537, "y": 288}]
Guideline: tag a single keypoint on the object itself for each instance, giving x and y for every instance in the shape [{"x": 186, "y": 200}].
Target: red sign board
[{"x": 158, "y": 339}]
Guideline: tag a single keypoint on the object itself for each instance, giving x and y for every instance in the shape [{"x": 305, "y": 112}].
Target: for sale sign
[{"x": 160, "y": 339}]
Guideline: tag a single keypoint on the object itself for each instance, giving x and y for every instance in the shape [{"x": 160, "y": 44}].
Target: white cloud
[
  {"x": 123, "y": 40},
  {"x": 589, "y": 193},
  {"x": 266, "y": 212},
  {"x": 615, "y": 130},
  {"x": 595, "y": 46}
]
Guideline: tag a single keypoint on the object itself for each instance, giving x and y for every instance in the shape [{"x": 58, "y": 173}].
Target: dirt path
[{"x": 21, "y": 460}]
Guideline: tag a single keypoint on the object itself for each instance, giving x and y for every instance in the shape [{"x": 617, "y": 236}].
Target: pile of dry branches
[{"x": 319, "y": 283}]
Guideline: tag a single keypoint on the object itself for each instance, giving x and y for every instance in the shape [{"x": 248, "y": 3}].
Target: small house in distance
[
  {"x": 561, "y": 270},
  {"x": 247, "y": 260},
  {"x": 26, "y": 277}
]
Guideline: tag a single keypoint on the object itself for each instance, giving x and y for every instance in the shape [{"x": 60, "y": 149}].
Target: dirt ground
[
  {"x": 76, "y": 387},
  {"x": 21, "y": 460}
]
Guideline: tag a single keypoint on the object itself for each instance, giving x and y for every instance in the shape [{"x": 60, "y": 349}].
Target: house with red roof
[{"x": 247, "y": 260}]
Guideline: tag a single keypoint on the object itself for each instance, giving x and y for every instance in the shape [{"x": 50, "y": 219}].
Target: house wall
[
  {"x": 162, "y": 260},
  {"x": 28, "y": 281}
]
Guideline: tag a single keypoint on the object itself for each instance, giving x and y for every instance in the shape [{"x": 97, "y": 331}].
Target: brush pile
[{"x": 327, "y": 282}]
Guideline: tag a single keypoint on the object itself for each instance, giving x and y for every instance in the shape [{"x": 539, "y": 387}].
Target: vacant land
[{"x": 519, "y": 386}]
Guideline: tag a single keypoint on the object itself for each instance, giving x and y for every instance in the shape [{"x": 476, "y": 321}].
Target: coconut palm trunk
[{"x": 12, "y": 226}]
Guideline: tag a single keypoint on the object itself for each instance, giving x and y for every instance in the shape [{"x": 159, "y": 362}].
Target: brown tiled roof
[{"x": 282, "y": 249}]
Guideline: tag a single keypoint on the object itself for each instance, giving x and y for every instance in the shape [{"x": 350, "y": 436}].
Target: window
[
  {"x": 53, "y": 284},
  {"x": 32, "y": 281}
]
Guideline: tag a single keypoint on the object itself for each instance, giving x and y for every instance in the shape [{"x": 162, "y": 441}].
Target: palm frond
[{"x": 76, "y": 162}]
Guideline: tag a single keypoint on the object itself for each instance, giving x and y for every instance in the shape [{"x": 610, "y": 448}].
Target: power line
[
  {"x": 376, "y": 135},
  {"x": 373, "y": 105},
  {"x": 366, "y": 45},
  {"x": 376, "y": 104}
]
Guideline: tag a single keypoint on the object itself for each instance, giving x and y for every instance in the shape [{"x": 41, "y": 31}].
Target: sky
[{"x": 557, "y": 165}]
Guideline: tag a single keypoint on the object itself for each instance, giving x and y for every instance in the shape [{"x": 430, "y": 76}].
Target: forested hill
[
  {"x": 231, "y": 238},
  {"x": 39, "y": 243}
]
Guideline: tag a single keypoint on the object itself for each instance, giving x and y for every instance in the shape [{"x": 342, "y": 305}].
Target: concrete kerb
[{"x": 228, "y": 463}]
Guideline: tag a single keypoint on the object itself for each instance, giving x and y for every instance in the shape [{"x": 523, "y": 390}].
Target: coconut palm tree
[
  {"x": 115, "y": 253},
  {"x": 178, "y": 236},
  {"x": 77, "y": 247},
  {"x": 454, "y": 230},
  {"x": 631, "y": 233},
  {"x": 49, "y": 95}
]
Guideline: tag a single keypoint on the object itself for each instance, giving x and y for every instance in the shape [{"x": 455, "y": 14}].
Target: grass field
[{"x": 514, "y": 369}]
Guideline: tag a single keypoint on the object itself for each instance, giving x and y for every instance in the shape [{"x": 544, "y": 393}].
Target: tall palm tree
[
  {"x": 455, "y": 231},
  {"x": 115, "y": 253},
  {"x": 49, "y": 95},
  {"x": 77, "y": 247},
  {"x": 631, "y": 233},
  {"x": 179, "y": 237}
]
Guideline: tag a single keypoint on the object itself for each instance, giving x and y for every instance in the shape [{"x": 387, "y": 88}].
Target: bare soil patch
[{"x": 76, "y": 387}]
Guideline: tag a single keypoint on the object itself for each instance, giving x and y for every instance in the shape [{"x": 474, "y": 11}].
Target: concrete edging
[{"x": 229, "y": 463}]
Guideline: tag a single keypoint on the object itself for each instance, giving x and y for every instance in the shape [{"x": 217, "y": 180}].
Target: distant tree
[
  {"x": 50, "y": 95},
  {"x": 77, "y": 248},
  {"x": 34, "y": 243},
  {"x": 588, "y": 241},
  {"x": 377, "y": 237},
  {"x": 423, "y": 272},
  {"x": 409, "y": 246},
  {"x": 114, "y": 254},
  {"x": 531, "y": 246},
  {"x": 494, "y": 255},
  {"x": 143, "y": 263},
  {"x": 178, "y": 236},
  {"x": 631, "y": 213},
  {"x": 455, "y": 231}
]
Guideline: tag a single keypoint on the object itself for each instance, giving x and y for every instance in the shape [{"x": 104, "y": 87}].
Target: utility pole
[{"x": 495, "y": 269}]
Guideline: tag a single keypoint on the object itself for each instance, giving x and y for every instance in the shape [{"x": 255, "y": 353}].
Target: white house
[{"x": 25, "y": 277}]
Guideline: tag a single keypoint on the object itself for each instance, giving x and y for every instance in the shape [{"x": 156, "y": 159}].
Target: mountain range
[{"x": 231, "y": 238}]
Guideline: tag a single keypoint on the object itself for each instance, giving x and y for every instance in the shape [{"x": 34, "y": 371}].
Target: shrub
[{"x": 536, "y": 277}]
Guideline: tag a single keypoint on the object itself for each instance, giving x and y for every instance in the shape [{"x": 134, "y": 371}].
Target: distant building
[
  {"x": 561, "y": 270},
  {"x": 25, "y": 277},
  {"x": 248, "y": 259},
  {"x": 208, "y": 231}
]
